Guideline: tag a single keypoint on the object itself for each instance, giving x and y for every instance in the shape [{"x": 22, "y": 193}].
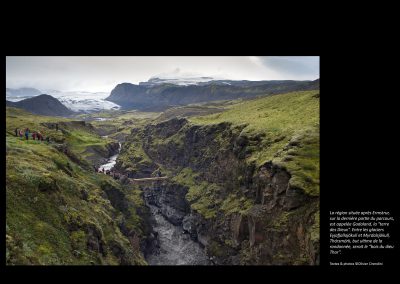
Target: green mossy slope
[
  {"x": 288, "y": 126},
  {"x": 57, "y": 211}
]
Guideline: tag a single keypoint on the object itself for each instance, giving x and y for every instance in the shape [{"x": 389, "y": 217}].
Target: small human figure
[
  {"x": 16, "y": 132},
  {"x": 34, "y": 135},
  {"x": 27, "y": 133}
]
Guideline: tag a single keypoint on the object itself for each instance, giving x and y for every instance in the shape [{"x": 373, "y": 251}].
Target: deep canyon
[{"x": 241, "y": 186}]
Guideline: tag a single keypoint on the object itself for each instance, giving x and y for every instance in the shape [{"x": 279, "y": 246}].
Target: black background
[{"x": 359, "y": 116}]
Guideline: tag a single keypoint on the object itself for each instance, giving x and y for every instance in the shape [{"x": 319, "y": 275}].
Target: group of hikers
[{"x": 36, "y": 135}]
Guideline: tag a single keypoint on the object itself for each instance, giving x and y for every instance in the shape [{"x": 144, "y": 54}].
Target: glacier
[{"x": 78, "y": 101}]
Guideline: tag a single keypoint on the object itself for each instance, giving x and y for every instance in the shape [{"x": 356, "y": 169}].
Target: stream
[
  {"x": 175, "y": 247},
  {"x": 111, "y": 161}
]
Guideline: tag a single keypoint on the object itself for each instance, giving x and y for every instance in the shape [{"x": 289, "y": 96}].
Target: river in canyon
[
  {"x": 174, "y": 246},
  {"x": 110, "y": 162}
]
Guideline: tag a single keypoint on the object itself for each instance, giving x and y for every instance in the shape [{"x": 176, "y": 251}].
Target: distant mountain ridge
[
  {"x": 28, "y": 92},
  {"x": 43, "y": 105},
  {"x": 164, "y": 92}
]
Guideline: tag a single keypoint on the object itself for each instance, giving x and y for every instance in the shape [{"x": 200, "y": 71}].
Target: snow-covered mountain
[
  {"x": 78, "y": 101},
  {"x": 84, "y": 101},
  {"x": 181, "y": 81}
]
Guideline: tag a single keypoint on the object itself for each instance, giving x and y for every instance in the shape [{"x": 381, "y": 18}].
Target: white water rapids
[
  {"x": 111, "y": 161},
  {"x": 176, "y": 248}
]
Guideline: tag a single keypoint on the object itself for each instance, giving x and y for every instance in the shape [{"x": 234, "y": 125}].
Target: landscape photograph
[{"x": 163, "y": 160}]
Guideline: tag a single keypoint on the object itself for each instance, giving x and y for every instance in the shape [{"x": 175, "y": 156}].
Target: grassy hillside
[
  {"x": 118, "y": 123},
  {"x": 58, "y": 211},
  {"x": 80, "y": 138},
  {"x": 289, "y": 127},
  {"x": 18, "y": 118},
  {"x": 187, "y": 111}
]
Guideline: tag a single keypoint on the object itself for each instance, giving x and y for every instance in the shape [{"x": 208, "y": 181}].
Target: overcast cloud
[{"x": 102, "y": 74}]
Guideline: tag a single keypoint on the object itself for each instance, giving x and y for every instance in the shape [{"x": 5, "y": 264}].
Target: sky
[{"x": 102, "y": 74}]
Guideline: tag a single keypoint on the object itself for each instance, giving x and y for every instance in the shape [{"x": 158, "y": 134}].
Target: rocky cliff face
[
  {"x": 240, "y": 212},
  {"x": 170, "y": 198},
  {"x": 99, "y": 154}
]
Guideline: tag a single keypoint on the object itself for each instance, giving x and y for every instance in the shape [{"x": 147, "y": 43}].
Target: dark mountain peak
[
  {"x": 42, "y": 97},
  {"x": 43, "y": 104}
]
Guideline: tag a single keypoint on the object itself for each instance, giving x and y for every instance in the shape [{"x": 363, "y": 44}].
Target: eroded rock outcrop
[{"x": 170, "y": 198}]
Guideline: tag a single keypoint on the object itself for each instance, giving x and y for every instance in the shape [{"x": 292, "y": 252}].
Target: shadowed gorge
[{"x": 245, "y": 181}]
